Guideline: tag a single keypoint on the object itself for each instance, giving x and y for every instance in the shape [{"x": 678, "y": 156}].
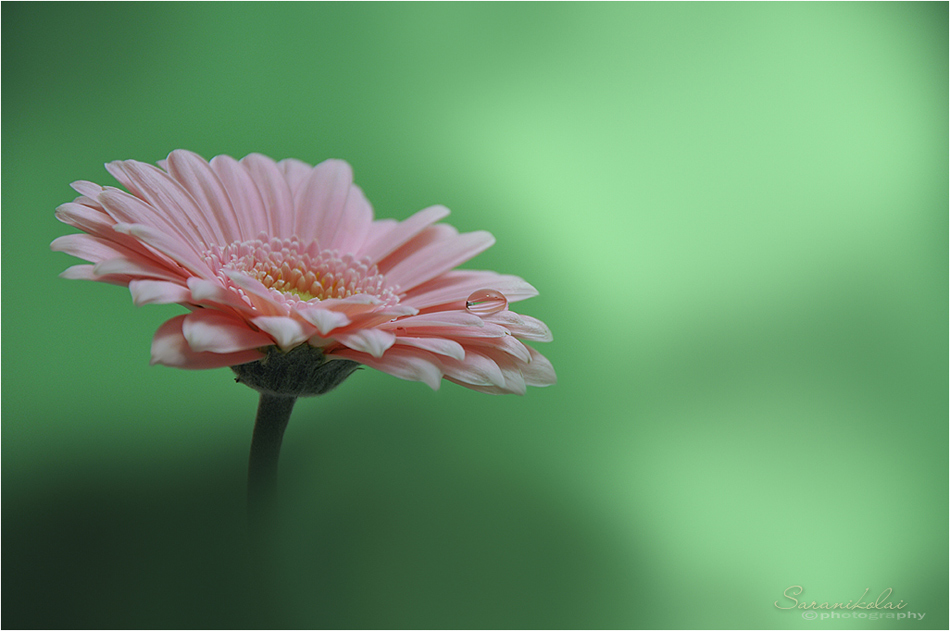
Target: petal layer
[{"x": 170, "y": 348}]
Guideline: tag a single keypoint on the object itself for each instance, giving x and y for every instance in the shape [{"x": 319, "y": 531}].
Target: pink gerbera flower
[
  {"x": 291, "y": 283},
  {"x": 270, "y": 257}
]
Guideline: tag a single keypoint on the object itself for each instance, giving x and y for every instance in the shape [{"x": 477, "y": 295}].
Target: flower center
[{"x": 300, "y": 272}]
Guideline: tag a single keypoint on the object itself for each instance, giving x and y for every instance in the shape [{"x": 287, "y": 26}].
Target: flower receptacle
[{"x": 303, "y": 371}]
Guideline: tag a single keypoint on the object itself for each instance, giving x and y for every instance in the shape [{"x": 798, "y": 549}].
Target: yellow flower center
[{"x": 300, "y": 272}]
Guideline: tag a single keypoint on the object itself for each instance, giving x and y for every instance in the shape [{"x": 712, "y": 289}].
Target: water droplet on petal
[{"x": 486, "y": 302}]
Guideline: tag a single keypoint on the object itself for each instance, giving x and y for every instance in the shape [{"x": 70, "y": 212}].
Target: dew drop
[{"x": 486, "y": 302}]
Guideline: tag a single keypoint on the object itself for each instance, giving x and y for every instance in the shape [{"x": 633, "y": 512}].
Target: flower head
[{"x": 270, "y": 256}]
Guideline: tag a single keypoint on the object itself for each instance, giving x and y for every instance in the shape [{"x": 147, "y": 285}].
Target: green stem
[{"x": 273, "y": 413}]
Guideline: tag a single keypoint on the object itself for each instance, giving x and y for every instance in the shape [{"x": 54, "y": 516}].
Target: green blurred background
[{"x": 736, "y": 215}]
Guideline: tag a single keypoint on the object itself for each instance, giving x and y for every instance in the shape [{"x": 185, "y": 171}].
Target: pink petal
[
  {"x": 521, "y": 326},
  {"x": 321, "y": 199},
  {"x": 323, "y": 319},
  {"x": 482, "y": 389},
  {"x": 246, "y": 200},
  {"x": 90, "y": 248},
  {"x": 355, "y": 223},
  {"x": 85, "y": 218},
  {"x": 507, "y": 344},
  {"x": 463, "y": 334},
  {"x": 126, "y": 208},
  {"x": 383, "y": 314},
  {"x": 372, "y": 341},
  {"x": 157, "y": 292},
  {"x": 437, "y": 345},
  {"x": 286, "y": 331},
  {"x": 512, "y": 371},
  {"x": 212, "y": 292},
  {"x": 447, "y": 324},
  {"x": 170, "y": 348},
  {"x": 435, "y": 234},
  {"x": 89, "y": 189},
  {"x": 442, "y": 319},
  {"x": 198, "y": 178},
  {"x": 408, "y": 364},
  {"x": 476, "y": 369},
  {"x": 379, "y": 315},
  {"x": 87, "y": 272},
  {"x": 278, "y": 200},
  {"x": 210, "y": 330},
  {"x": 539, "y": 372},
  {"x": 295, "y": 172},
  {"x": 452, "y": 288},
  {"x": 91, "y": 202},
  {"x": 160, "y": 190},
  {"x": 79, "y": 272},
  {"x": 391, "y": 240},
  {"x": 514, "y": 380},
  {"x": 173, "y": 249},
  {"x": 351, "y": 306},
  {"x": 112, "y": 257},
  {"x": 437, "y": 258},
  {"x": 376, "y": 235},
  {"x": 134, "y": 267},
  {"x": 260, "y": 296}
]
